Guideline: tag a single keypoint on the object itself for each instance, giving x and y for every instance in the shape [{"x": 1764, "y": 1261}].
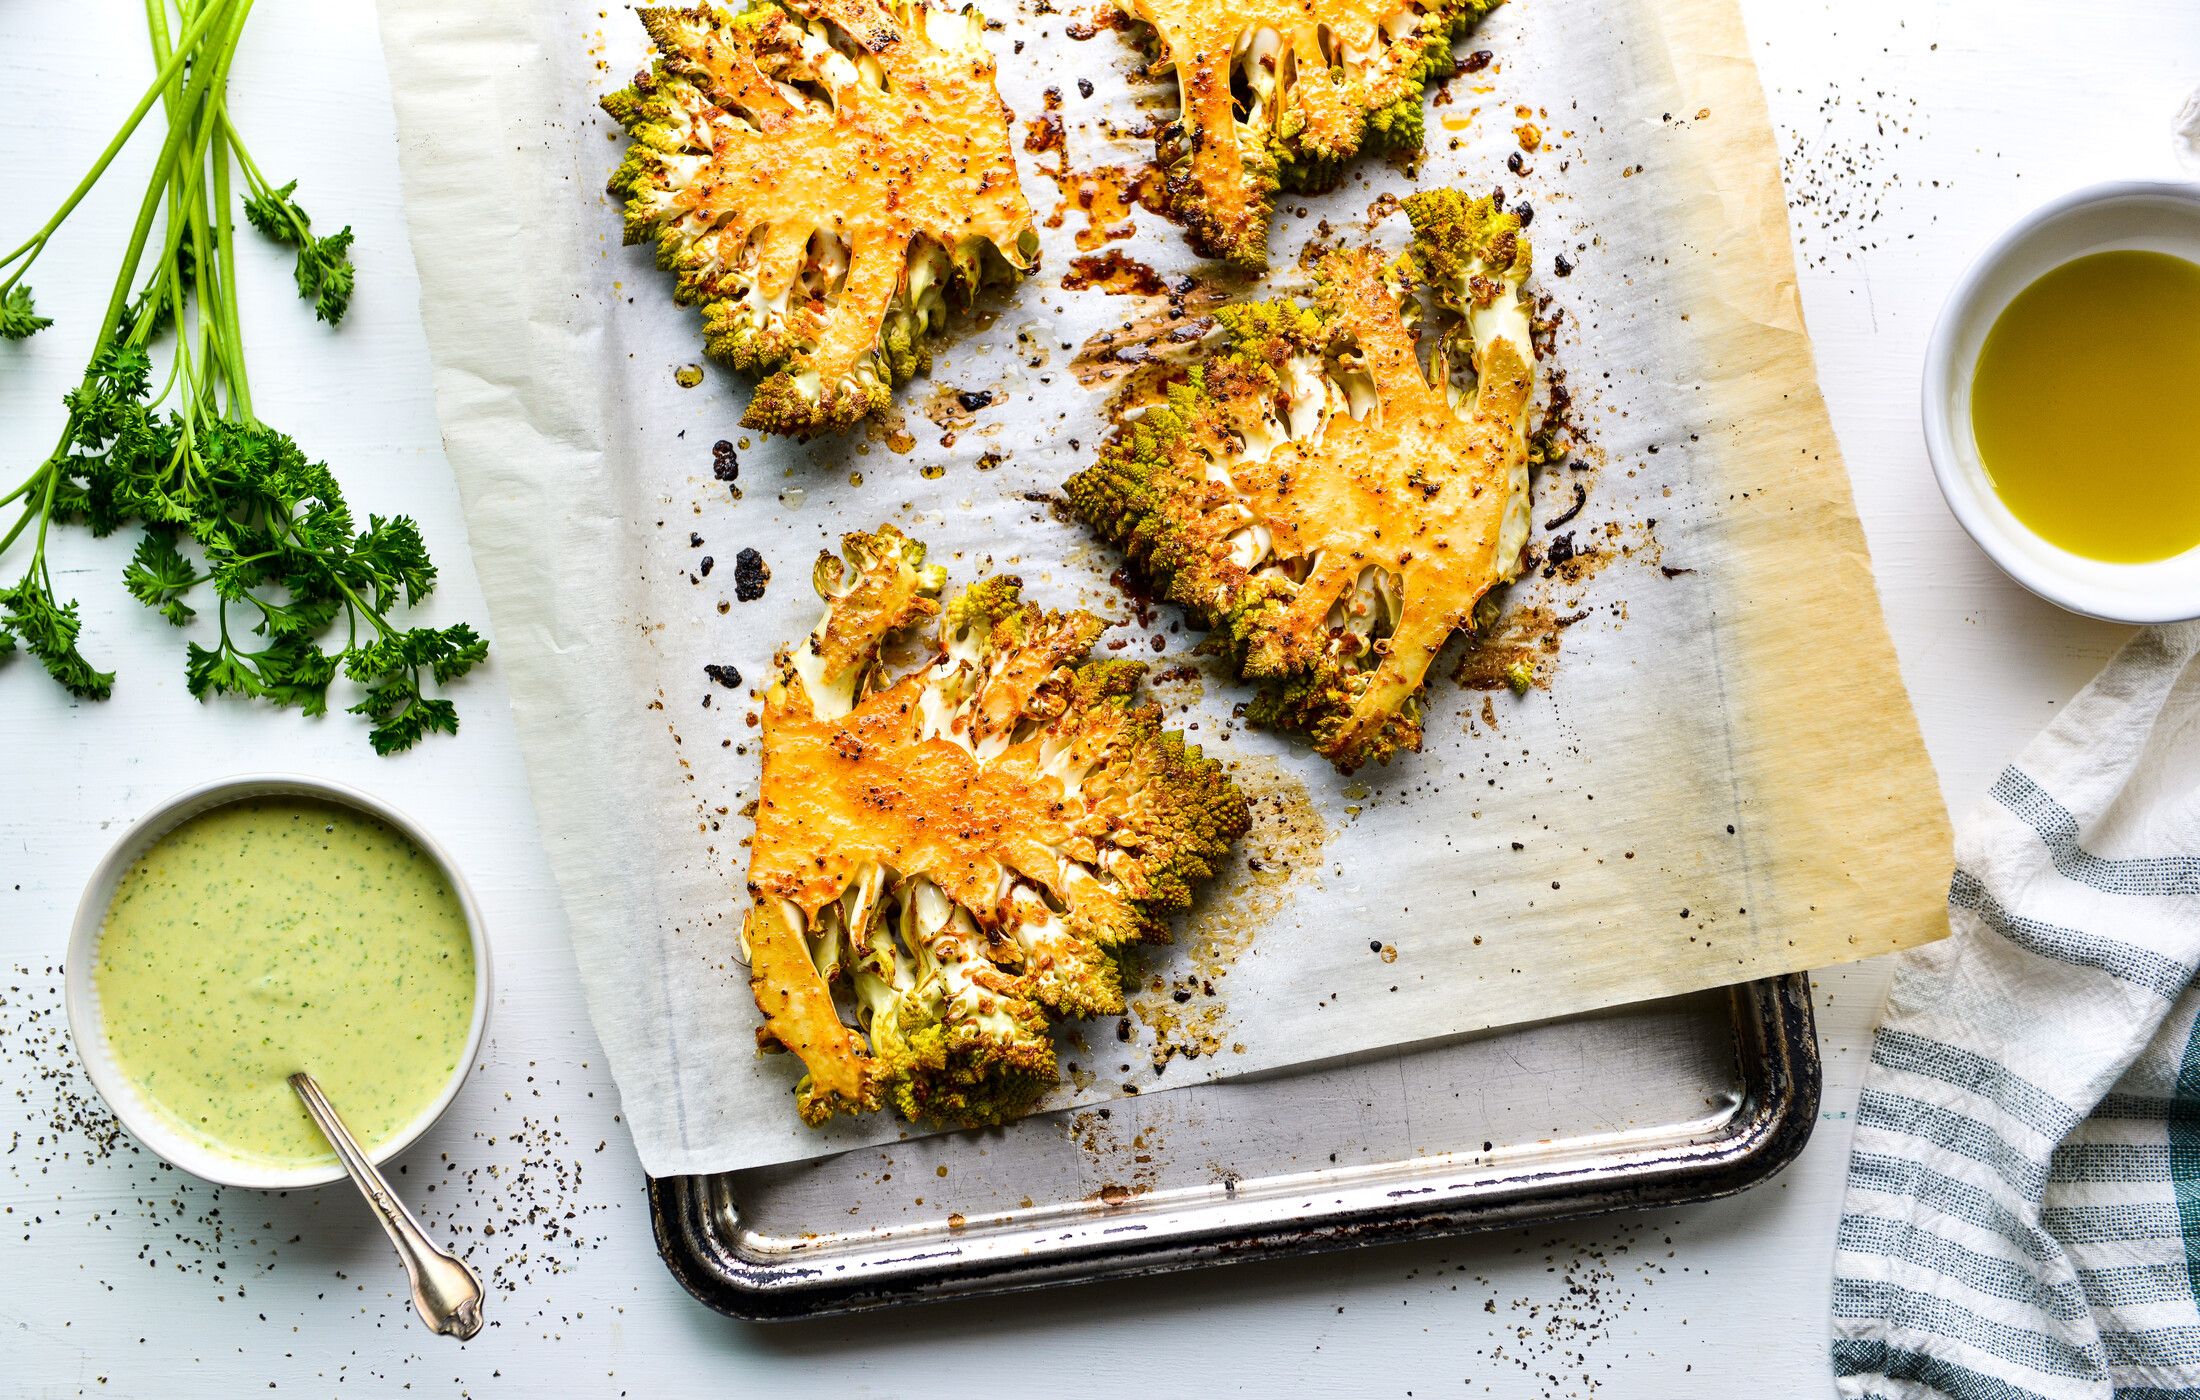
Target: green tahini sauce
[{"x": 280, "y": 934}]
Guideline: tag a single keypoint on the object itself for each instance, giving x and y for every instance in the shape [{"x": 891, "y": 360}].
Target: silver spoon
[{"x": 445, "y": 1293}]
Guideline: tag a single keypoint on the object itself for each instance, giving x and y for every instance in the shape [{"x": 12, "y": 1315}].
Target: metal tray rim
[{"x": 1772, "y": 1124}]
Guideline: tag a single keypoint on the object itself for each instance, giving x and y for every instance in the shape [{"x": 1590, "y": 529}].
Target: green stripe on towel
[{"x": 2184, "y": 1159}]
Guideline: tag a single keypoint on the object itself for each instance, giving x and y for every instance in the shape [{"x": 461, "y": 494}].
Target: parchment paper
[{"x": 1720, "y": 780}]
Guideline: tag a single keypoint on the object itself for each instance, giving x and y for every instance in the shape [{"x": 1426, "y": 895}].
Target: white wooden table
[{"x": 1913, "y": 133}]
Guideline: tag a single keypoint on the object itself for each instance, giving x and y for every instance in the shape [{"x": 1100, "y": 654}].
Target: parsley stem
[
  {"x": 170, "y": 67},
  {"x": 240, "y": 391},
  {"x": 22, "y": 520},
  {"x": 359, "y": 606},
  {"x": 259, "y": 183},
  {"x": 24, "y": 489},
  {"x": 203, "y": 77}
]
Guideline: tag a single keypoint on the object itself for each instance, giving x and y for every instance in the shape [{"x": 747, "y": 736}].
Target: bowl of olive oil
[{"x": 2062, "y": 402}]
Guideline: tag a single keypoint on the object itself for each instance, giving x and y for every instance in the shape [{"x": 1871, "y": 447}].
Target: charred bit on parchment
[{"x": 1106, "y": 195}]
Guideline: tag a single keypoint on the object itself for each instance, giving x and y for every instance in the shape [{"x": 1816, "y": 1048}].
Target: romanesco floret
[
  {"x": 949, "y": 859},
  {"x": 1331, "y": 509},
  {"x": 823, "y": 177},
  {"x": 1281, "y": 94}
]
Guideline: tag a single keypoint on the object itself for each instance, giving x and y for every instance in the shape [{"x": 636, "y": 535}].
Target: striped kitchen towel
[{"x": 2023, "y": 1212}]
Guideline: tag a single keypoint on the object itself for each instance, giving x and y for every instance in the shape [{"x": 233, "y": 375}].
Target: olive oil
[{"x": 2086, "y": 406}]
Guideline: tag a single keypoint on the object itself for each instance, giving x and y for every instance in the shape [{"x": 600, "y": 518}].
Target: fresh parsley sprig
[
  {"x": 324, "y": 270},
  {"x": 301, "y": 594}
]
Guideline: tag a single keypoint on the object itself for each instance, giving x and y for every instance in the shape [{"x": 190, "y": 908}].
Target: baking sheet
[
  {"x": 1657, "y": 1103},
  {"x": 1721, "y": 779}
]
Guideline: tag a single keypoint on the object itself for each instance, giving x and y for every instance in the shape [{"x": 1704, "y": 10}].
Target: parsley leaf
[
  {"x": 281, "y": 551},
  {"x": 158, "y": 577},
  {"x": 19, "y": 320},
  {"x": 324, "y": 272},
  {"x": 390, "y": 668},
  {"x": 48, "y": 630}
]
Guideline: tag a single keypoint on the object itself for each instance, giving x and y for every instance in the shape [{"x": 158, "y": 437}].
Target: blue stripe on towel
[
  {"x": 2134, "y": 1285},
  {"x": 2112, "y": 1163},
  {"x": 2022, "y": 1100},
  {"x": 1864, "y": 1357},
  {"x": 2130, "y": 1223},
  {"x": 2155, "y": 1348},
  {"x": 1899, "y": 1176},
  {"x": 1913, "y": 1311},
  {"x": 2058, "y": 829},
  {"x": 2147, "y": 1108},
  {"x": 1982, "y": 1273},
  {"x": 1953, "y": 1132},
  {"x": 2164, "y": 977}
]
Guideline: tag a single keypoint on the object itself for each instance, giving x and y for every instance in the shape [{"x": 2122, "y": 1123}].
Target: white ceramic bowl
[
  {"x": 146, "y": 1123},
  {"x": 2162, "y": 217}
]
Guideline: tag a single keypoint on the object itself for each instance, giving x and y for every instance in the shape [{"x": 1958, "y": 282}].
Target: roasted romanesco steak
[
  {"x": 1281, "y": 93},
  {"x": 958, "y": 854},
  {"x": 1334, "y": 510},
  {"x": 822, "y": 176}
]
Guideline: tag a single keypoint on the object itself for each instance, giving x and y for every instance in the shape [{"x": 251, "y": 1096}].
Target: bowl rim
[
  {"x": 88, "y": 1033},
  {"x": 2037, "y": 570}
]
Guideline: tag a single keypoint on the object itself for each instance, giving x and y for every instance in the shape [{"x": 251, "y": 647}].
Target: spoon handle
[{"x": 445, "y": 1293}]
